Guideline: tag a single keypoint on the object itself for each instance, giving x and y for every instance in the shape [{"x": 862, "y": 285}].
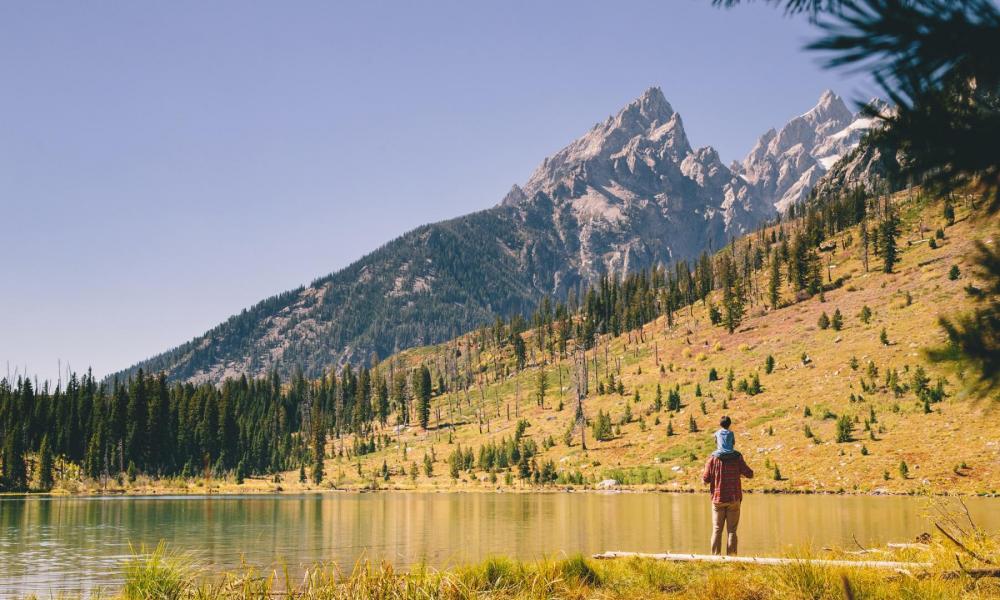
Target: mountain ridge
[{"x": 629, "y": 193}]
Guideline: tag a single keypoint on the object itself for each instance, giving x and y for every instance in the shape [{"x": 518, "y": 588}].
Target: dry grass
[
  {"x": 162, "y": 575},
  {"x": 769, "y": 426}
]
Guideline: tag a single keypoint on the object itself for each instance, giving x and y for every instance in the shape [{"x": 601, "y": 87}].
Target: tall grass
[
  {"x": 572, "y": 578},
  {"x": 163, "y": 575},
  {"x": 158, "y": 574}
]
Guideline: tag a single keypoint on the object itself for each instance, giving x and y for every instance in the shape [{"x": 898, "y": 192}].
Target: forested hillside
[{"x": 810, "y": 334}]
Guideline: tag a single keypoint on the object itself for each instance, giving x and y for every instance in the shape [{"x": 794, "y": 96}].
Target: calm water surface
[{"x": 51, "y": 544}]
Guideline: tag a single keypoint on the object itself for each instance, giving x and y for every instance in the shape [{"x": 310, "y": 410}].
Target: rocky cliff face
[
  {"x": 628, "y": 194},
  {"x": 632, "y": 192},
  {"x": 784, "y": 166},
  {"x": 872, "y": 166}
]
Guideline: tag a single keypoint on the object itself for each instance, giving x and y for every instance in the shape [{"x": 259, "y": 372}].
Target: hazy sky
[{"x": 163, "y": 165}]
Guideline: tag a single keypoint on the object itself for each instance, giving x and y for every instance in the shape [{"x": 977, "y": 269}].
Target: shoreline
[{"x": 205, "y": 493}]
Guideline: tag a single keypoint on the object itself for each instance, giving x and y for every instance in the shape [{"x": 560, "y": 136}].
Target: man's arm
[
  {"x": 706, "y": 476},
  {"x": 745, "y": 469}
]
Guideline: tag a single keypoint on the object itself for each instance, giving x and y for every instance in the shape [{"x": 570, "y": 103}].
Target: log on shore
[{"x": 767, "y": 560}]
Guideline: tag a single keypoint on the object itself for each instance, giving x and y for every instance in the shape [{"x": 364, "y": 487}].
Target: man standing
[{"x": 722, "y": 474}]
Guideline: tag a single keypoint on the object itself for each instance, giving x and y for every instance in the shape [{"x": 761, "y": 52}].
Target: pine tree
[
  {"x": 15, "y": 473},
  {"x": 159, "y": 434},
  {"x": 422, "y": 388},
  {"x": 541, "y": 385},
  {"x": 888, "y": 233},
  {"x": 400, "y": 400},
  {"x": 799, "y": 263},
  {"x": 838, "y": 320},
  {"x": 520, "y": 351},
  {"x": 774, "y": 281},
  {"x": 45, "y": 466},
  {"x": 732, "y": 294},
  {"x": 673, "y": 400},
  {"x": 844, "y": 428},
  {"x": 319, "y": 452},
  {"x": 94, "y": 459},
  {"x": 523, "y": 468},
  {"x": 137, "y": 426}
]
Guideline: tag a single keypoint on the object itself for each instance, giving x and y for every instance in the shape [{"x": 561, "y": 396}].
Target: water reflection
[{"x": 78, "y": 543}]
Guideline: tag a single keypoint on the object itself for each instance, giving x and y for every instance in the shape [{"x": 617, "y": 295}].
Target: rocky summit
[
  {"x": 630, "y": 193},
  {"x": 785, "y": 165}
]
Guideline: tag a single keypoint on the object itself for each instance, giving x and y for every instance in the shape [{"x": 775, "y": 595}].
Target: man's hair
[{"x": 725, "y": 422}]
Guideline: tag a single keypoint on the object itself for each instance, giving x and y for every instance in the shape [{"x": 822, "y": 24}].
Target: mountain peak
[
  {"x": 647, "y": 121},
  {"x": 829, "y": 108},
  {"x": 784, "y": 165},
  {"x": 649, "y": 108}
]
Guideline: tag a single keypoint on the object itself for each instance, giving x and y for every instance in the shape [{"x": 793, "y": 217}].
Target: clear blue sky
[{"x": 165, "y": 164}]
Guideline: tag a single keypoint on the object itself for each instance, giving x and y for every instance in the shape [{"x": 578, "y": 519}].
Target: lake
[{"x": 52, "y": 544}]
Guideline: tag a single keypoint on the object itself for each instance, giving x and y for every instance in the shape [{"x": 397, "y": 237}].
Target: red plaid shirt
[{"x": 723, "y": 478}]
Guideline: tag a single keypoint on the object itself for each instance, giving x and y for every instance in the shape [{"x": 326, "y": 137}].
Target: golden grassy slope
[{"x": 953, "y": 449}]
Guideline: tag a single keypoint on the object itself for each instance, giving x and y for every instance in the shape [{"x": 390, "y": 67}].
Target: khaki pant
[{"x": 725, "y": 514}]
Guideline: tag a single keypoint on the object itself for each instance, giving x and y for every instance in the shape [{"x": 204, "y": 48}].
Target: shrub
[
  {"x": 602, "y": 427},
  {"x": 844, "y": 428},
  {"x": 824, "y": 321},
  {"x": 954, "y": 273}
]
